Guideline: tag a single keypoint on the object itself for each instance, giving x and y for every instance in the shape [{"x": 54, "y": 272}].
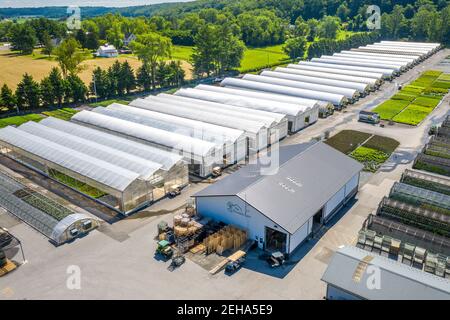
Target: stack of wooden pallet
[{"x": 226, "y": 238}]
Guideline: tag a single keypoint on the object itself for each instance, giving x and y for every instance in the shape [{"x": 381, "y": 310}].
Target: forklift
[{"x": 164, "y": 249}]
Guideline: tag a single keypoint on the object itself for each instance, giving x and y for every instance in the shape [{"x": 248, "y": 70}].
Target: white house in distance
[
  {"x": 107, "y": 51},
  {"x": 128, "y": 39}
]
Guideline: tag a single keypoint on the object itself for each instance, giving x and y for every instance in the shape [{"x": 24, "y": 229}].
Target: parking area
[{"x": 116, "y": 261}]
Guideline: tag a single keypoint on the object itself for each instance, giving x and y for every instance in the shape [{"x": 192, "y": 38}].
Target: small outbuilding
[
  {"x": 107, "y": 51},
  {"x": 283, "y": 198}
]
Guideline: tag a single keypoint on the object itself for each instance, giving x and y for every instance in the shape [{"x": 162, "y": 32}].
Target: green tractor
[{"x": 164, "y": 249}]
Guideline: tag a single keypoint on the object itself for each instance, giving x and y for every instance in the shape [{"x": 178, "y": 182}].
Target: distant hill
[{"x": 60, "y": 12}]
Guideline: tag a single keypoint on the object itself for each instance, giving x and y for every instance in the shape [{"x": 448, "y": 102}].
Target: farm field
[
  {"x": 13, "y": 66},
  {"x": 63, "y": 114},
  {"x": 414, "y": 102},
  {"x": 370, "y": 150}
]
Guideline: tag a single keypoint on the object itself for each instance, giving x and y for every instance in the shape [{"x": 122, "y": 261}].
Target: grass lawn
[
  {"x": 63, "y": 114},
  {"x": 262, "y": 57},
  {"x": 347, "y": 140},
  {"x": 182, "y": 53},
  {"x": 18, "y": 120},
  {"x": 371, "y": 158},
  {"x": 106, "y": 103},
  {"x": 389, "y": 109}
]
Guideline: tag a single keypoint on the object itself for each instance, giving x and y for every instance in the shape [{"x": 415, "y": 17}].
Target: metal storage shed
[
  {"x": 360, "y": 87},
  {"x": 125, "y": 190},
  {"x": 232, "y": 141},
  {"x": 276, "y": 123},
  {"x": 347, "y": 277},
  {"x": 351, "y": 94},
  {"x": 341, "y": 61},
  {"x": 298, "y": 116},
  {"x": 279, "y": 207},
  {"x": 336, "y": 99},
  {"x": 255, "y": 132},
  {"x": 200, "y": 155},
  {"x": 370, "y": 76},
  {"x": 173, "y": 169},
  {"x": 387, "y": 73}
]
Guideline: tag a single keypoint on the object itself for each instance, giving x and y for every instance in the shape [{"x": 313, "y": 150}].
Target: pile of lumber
[{"x": 226, "y": 238}]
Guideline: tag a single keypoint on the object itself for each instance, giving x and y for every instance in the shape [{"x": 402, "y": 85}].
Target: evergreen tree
[
  {"x": 57, "y": 84},
  {"x": 101, "y": 83},
  {"x": 144, "y": 77},
  {"x": 76, "y": 90},
  {"x": 27, "y": 93},
  {"x": 47, "y": 92},
  {"x": 128, "y": 77},
  {"x": 7, "y": 98}
]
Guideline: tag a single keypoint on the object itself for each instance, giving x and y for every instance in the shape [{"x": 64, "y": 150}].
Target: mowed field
[{"x": 13, "y": 66}]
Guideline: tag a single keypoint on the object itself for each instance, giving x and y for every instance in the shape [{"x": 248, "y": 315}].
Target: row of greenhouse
[{"x": 127, "y": 156}]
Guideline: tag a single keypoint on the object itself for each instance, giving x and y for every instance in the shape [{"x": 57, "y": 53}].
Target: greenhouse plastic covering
[
  {"x": 374, "y": 65},
  {"x": 405, "y": 61},
  {"x": 387, "y": 55},
  {"x": 336, "y": 99},
  {"x": 377, "y": 61},
  {"x": 303, "y": 104},
  {"x": 268, "y": 118},
  {"x": 66, "y": 223},
  {"x": 324, "y": 90},
  {"x": 368, "y": 82},
  {"x": 165, "y": 158},
  {"x": 328, "y": 81},
  {"x": 329, "y": 69},
  {"x": 98, "y": 170},
  {"x": 143, "y": 167},
  {"x": 180, "y": 110},
  {"x": 424, "y": 195},
  {"x": 192, "y": 128},
  {"x": 384, "y": 72},
  {"x": 241, "y": 101}
]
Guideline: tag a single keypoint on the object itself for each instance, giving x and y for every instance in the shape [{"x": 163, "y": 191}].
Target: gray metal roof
[
  {"x": 308, "y": 176},
  {"x": 398, "y": 281}
]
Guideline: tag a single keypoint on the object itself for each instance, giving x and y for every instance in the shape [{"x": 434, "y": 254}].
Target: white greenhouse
[
  {"x": 122, "y": 182},
  {"x": 276, "y": 123},
  {"x": 416, "y": 59},
  {"x": 348, "y": 62},
  {"x": 232, "y": 141},
  {"x": 255, "y": 132},
  {"x": 407, "y": 62},
  {"x": 387, "y": 73},
  {"x": 336, "y": 99},
  {"x": 298, "y": 116},
  {"x": 392, "y": 50},
  {"x": 311, "y": 66},
  {"x": 364, "y": 89},
  {"x": 371, "y": 84},
  {"x": 201, "y": 156},
  {"x": 351, "y": 94},
  {"x": 396, "y": 65}
]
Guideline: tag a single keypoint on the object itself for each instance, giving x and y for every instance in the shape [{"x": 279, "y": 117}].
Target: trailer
[{"x": 369, "y": 117}]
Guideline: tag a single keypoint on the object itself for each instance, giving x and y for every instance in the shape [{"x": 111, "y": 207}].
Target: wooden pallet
[
  {"x": 198, "y": 248},
  {"x": 7, "y": 268}
]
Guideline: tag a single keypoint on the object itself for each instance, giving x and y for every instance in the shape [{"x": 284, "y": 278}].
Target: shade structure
[
  {"x": 232, "y": 141},
  {"x": 255, "y": 132},
  {"x": 396, "y": 65},
  {"x": 329, "y": 60},
  {"x": 201, "y": 155},
  {"x": 387, "y": 73},
  {"x": 295, "y": 114},
  {"x": 370, "y": 84},
  {"x": 276, "y": 123},
  {"x": 360, "y": 87},
  {"x": 335, "y": 99},
  {"x": 317, "y": 67}
]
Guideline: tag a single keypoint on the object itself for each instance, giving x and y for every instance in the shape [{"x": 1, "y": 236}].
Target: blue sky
[{"x": 86, "y": 3}]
